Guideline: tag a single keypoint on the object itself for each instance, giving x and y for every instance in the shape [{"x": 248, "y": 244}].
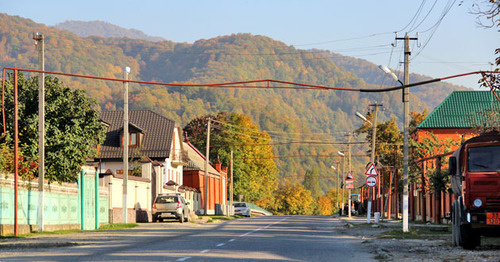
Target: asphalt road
[{"x": 287, "y": 238}]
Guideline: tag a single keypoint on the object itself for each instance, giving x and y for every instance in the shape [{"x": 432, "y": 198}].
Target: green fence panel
[{"x": 59, "y": 208}]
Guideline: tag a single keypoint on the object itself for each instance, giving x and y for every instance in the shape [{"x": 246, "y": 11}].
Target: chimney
[{"x": 218, "y": 165}]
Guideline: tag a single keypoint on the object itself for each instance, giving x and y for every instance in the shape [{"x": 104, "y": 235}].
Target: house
[
  {"x": 156, "y": 158},
  {"x": 455, "y": 117},
  {"x": 194, "y": 177}
]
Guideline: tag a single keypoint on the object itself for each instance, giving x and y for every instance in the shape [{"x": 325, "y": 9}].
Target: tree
[
  {"x": 73, "y": 129},
  {"x": 388, "y": 139},
  {"x": 325, "y": 205},
  {"x": 311, "y": 182},
  {"x": 292, "y": 199},
  {"x": 487, "y": 13},
  {"x": 255, "y": 173}
]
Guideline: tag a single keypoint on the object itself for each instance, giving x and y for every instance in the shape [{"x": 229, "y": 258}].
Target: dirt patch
[{"x": 423, "y": 243}]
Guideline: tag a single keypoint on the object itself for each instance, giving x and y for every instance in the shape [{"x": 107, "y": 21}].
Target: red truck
[{"x": 475, "y": 181}]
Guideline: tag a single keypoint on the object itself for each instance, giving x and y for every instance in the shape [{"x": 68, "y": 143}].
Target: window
[{"x": 133, "y": 139}]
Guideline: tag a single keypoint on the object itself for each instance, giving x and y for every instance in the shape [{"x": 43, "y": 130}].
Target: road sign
[
  {"x": 349, "y": 176},
  {"x": 371, "y": 171},
  {"x": 349, "y": 186},
  {"x": 371, "y": 181}
]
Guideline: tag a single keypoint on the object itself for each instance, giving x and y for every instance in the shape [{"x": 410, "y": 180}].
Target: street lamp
[
  {"x": 406, "y": 124},
  {"x": 389, "y": 72},
  {"x": 343, "y": 188}
]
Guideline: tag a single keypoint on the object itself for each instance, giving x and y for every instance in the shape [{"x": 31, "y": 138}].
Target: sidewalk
[{"x": 393, "y": 223}]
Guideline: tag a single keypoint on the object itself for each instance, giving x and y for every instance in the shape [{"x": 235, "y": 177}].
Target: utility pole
[
  {"x": 39, "y": 43},
  {"x": 126, "y": 138},
  {"x": 406, "y": 120},
  {"x": 207, "y": 153},
  {"x": 338, "y": 183},
  {"x": 231, "y": 185},
  {"x": 349, "y": 164},
  {"x": 372, "y": 157}
]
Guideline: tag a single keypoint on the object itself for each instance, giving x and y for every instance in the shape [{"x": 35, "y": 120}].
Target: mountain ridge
[{"x": 318, "y": 115}]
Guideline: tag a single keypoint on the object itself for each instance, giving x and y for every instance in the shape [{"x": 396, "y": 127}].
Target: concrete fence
[{"x": 66, "y": 205}]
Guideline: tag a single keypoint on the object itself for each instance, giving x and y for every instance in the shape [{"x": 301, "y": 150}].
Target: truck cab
[{"x": 475, "y": 181}]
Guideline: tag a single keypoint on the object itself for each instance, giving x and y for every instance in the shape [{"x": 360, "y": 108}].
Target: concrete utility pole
[
  {"x": 39, "y": 42},
  {"x": 231, "y": 185},
  {"x": 406, "y": 107},
  {"x": 207, "y": 153},
  {"x": 126, "y": 138},
  {"x": 349, "y": 164}
]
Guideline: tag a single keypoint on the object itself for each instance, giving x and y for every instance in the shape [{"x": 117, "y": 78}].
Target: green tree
[
  {"x": 388, "y": 139},
  {"x": 255, "y": 173},
  {"x": 72, "y": 124},
  {"x": 311, "y": 182}
]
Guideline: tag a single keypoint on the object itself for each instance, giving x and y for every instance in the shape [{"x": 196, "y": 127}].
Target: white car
[{"x": 242, "y": 209}]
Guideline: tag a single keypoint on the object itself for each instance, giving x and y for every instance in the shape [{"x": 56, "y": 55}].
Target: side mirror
[{"x": 452, "y": 165}]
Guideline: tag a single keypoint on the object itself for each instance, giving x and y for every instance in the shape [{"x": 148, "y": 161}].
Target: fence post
[
  {"x": 82, "y": 198},
  {"x": 424, "y": 200},
  {"x": 96, "y": 185},
  {"x": 437, "y": 203}
]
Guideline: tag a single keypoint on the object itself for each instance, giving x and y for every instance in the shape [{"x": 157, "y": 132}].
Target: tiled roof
[
  {"x": 158, "y": 132},
  {"x": 459, "y": 109}
]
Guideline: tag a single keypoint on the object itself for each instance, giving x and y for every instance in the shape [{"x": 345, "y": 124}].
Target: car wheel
[
  {"x": 155, "y": 219},
  {"x": 181, "y": 218},
  {"x": 160, "y": 219}
]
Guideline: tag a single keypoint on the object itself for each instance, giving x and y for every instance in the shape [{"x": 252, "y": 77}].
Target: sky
[{"x": 450, "y": 40}]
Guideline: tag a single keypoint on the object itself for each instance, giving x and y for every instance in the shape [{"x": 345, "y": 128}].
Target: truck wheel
[
  {"x": 181, "y": 218},
  {"x": 468, "y": 238},
  {"x": 155, "y": 219}
]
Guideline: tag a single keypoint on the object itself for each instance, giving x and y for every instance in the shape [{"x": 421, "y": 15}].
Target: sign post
[
  {"x": 371, "y": 181},
  {"x": 349, "y": 184}
]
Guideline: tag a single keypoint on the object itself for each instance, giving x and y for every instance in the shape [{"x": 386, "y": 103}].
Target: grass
[
  {"x": 73, "y": 231},
  {"x": 116, "y": 226},
  {"x": 412, "y": 234}
]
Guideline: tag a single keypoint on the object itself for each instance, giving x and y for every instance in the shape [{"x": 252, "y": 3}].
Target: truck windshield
[{"x": 484, "y": 159}]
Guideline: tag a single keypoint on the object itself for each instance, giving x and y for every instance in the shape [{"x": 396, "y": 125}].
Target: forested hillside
[
  {"x": 104, "y": 29},
  {"x": 288, "y": 115}
]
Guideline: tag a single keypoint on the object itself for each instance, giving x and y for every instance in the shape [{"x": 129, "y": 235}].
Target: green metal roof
[{"x": 460, "y": 109}]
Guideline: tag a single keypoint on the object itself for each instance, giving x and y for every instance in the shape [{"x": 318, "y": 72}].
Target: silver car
[
  {"x": 242, "y": 209},
  {"x": 170, "y": 206}
]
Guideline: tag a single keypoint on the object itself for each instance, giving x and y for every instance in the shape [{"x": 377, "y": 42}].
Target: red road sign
[
  {"x": 371, "y": 181},
  {"x": 349, "y": 186},
  {"x": 371, "y": 171}
]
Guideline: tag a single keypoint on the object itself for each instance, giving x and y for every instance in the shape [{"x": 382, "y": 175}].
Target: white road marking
[
  {"x": 183, "y": 259},
  {"x": 221, "y": 244},
  {"x": 258, "y": 229},
  {"x": 231, "y": 240},
  {"x": 205, "y": 251}
]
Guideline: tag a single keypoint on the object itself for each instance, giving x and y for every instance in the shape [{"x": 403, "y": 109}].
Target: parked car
[
  {"x": 170, "y": 206},
  {"x": 242, "y": 209}
]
